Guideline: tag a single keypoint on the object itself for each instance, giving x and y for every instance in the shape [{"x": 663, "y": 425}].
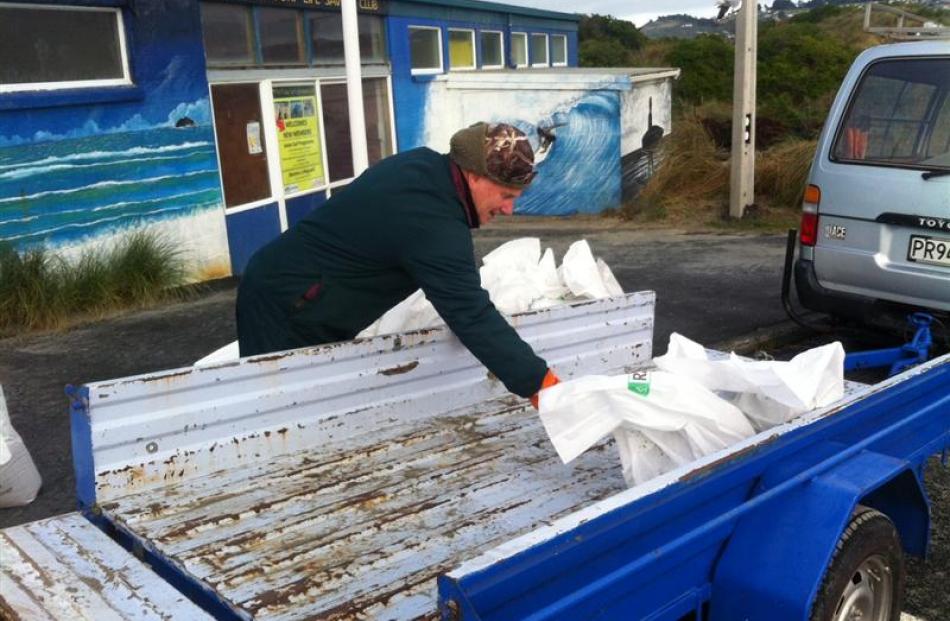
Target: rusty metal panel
[
  {"x": 143, "y": 432},
  {"x": 359, "y": 529},
  {"x": 64, "y": 568}
]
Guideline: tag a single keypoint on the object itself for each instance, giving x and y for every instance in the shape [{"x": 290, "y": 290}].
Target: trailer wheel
[{"x": 865, "y": 579}]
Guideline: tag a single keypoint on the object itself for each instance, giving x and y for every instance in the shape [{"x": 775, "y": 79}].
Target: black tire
[{"x": 866, "y": 571}]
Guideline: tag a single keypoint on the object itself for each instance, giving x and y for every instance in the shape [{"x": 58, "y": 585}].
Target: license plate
[{"x": 923, "y": 249}]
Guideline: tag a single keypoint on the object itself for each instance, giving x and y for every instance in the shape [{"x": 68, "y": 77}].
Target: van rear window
[{"x": 899, "y": 116}]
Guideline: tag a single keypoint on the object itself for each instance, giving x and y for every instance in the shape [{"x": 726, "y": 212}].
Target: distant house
[{"x": 220, "y": 124}]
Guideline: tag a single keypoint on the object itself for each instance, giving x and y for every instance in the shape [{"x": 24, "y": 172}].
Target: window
[
  {"x": 228, "y": 33},
  {"x": 493, "y": 51},
  {"x": 336, "y": 121},
  {"x": 539, "y": 50},
  {"x": 372, "y": 39},
  {"x": 893, "y": 117},
  {"x": 461, "y": 49},
  {"x": 56, "y": 47},
  {"x": 519, "y": 49},
  {"x": 559, "y": 50},
  {"x": 281, "y": 35},
  {"x": 326, "y": 34},
  {"x": 379, "y": 131},
  {"x": 425, "y": 49}
]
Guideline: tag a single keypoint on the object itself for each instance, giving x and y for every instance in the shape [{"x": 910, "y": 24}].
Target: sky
[{"x": 636, "y": 11}]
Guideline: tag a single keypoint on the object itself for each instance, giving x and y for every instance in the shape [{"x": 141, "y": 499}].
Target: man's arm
[{"x": 443, "y": 266}]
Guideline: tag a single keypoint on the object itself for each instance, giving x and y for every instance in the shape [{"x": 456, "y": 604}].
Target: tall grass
[
  {"x": 40, "y": 290},
  {"x": 781, "y": 172},
  {"x": 692, "y": 168},
  {"x": 691, "y": 182}
]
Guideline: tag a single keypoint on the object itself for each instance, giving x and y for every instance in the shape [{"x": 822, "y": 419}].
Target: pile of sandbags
[
  {"x": 690, "y": 406},
  {"x": 518, "y": 278},
  {"x": 19, "y": 479}
]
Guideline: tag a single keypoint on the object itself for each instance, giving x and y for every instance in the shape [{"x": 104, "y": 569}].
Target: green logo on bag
[{"x": 639, "y": 383}]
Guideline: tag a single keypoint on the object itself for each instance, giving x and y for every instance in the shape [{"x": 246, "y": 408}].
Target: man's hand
[{"x": 550, "y": 379}]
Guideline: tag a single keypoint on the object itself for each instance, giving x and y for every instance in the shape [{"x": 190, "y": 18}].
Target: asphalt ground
[{"x": 720, "y": 289}]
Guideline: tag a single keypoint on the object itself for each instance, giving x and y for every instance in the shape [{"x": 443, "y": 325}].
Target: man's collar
[{"x": 465, "y": 195}]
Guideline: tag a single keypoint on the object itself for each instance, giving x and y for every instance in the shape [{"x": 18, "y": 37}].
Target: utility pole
[{"x": 742, "y": 174}]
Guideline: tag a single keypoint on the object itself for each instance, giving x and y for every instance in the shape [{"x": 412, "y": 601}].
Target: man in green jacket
[{"x": 403, "y": 224}]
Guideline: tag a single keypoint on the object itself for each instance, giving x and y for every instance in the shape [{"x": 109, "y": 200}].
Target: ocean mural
[
  {"x": 589, "y": 130},
  {"x": 75, "y": 176}
]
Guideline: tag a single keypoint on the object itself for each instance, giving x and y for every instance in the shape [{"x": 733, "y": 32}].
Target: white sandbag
[
  {"x": 611, "y": 285},
  {"x": 660, "y": 420},
  {"x": 768, "y": 392},
  {"x": 580, "y": 273},
  {"x": 512, "y": 275},
  {"x": 19, "y": 479},
  {"x": 223, "y": 354},
  {"x": 413, "y": 313}
]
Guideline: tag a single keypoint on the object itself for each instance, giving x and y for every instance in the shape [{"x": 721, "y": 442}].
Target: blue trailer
[{"x": 392, "y": 478}]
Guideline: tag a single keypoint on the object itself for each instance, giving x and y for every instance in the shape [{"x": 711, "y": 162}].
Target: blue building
[{"x": 220, "y": 123}]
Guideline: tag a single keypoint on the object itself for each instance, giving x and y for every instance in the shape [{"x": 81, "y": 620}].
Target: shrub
[
  {"x": 40, "y": 290},
  {"x": 706, "y": 64}
]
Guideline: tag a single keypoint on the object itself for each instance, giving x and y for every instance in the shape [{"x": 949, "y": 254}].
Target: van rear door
[{"x": 884, "y": 173}]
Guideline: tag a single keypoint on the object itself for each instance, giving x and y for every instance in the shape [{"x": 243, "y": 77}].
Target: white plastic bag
[
  {"x": 19, "y": 479},
  {"x": 768, "y": 392},
  {"x": 581, "y": 273},
  {"x": 660, "y": 420}
]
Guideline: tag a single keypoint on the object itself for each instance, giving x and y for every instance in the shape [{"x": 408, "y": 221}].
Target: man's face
[{"x": 490, "y": 198}]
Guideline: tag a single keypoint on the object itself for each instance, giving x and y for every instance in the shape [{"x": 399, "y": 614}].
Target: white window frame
[
  {"x": 471, "y": 38},
  {"x": 547, "y": 52},
  {"x": 432, "y": 70},
  {"x": 527, "y": 49},
  {"x": 501, "y": 42},
  {"x": 125, "y": 80},
  {"x": 551, "y": 54}
]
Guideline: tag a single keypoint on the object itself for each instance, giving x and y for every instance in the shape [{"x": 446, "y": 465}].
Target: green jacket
[{"x": 400, "y": 226}]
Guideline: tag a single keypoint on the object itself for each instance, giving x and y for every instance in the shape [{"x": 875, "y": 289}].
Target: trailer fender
[{"x": 773, "y": 564}]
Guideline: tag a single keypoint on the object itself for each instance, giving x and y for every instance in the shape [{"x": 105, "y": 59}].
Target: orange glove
[{"x": 550, "y": 379}]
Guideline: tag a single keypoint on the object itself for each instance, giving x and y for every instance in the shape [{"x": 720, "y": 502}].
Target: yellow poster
[{"x": 298, "y": 137}]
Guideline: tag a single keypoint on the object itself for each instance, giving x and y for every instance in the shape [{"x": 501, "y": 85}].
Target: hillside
[{"x": 686, "y": 27}]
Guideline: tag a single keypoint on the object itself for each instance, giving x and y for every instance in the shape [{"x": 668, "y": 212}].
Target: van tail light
[
  {"x": 809, "y": 226},
  {"x": 809, "y": 229}
]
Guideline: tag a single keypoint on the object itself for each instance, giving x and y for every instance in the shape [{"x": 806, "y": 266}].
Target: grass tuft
[
  {"x": 781, "y": 172},
  {"x": 40, "y": 290}
]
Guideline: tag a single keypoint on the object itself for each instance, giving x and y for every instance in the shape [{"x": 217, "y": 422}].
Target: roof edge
[{"x": 484, "y": 5}]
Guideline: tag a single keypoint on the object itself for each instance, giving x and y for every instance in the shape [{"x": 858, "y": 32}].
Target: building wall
[{"x": 79, "y": 169}]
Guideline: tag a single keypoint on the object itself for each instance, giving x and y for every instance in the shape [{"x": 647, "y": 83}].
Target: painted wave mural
[
  {"x": 64, "y": 190},
  {"x": 580, "y": 171}
]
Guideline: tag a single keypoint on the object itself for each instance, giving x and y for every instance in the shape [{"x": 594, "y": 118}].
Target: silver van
[{"x": 875, "y": 230}]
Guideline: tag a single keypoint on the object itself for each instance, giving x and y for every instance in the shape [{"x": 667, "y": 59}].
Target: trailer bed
[{"x": 361, "y": 530}]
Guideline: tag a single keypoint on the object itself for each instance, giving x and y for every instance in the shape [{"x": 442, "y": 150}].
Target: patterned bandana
[{"x": 498, "y": 151}]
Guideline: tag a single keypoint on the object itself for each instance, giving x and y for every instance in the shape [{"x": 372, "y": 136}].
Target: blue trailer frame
[{"x": 747, "y": 539}]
